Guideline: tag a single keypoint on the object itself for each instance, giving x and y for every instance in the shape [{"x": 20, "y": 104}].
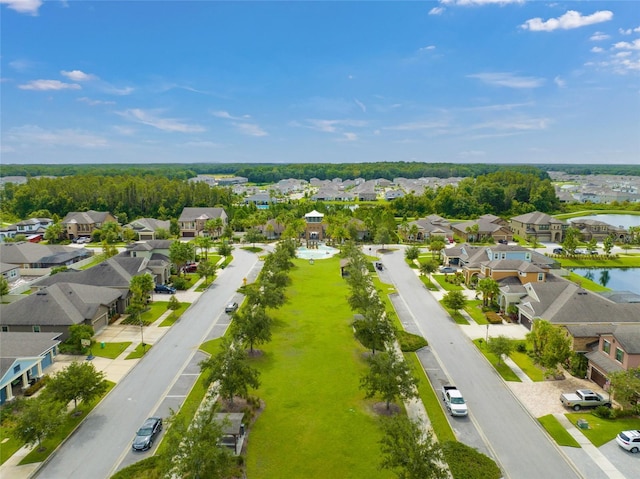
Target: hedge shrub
[{"x": 467, "y": 463}]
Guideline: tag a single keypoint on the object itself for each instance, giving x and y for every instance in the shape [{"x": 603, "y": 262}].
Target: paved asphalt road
[
  {"x": 518, "y": 443},
  {"x": 161, "y": 379}
]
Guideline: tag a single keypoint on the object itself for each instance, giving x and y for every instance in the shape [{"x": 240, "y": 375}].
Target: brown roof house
[
  {"x": 23, "y": 359},
  {"x": 192, "y": 220},
  {"x": 429, "y": 227},
  {"x": 485, "y": 227},
  {"x": 55, "y": 308},
  {"x": 79, "y": 224}
]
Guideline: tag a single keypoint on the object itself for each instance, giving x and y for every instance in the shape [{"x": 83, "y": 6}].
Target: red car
[{"x": 191, "y": 268}]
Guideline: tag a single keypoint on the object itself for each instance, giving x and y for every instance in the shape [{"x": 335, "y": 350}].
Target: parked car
[
  {"x": 447, "y": 269},
  {"x": 629, "y": 440},
  {"x": 379, "y": 266},
  {"x": 231, "y": 307},
  {"x": 163, "y": 288},
  {"x": 191, "y": 268},
  {"x": 503, "y": 241},
  {"x": 147, "y": 433},
  {"x": 584, "y": 398},
  {"x": 558, "y": 251},
  {"x": 454, "y": 401}
]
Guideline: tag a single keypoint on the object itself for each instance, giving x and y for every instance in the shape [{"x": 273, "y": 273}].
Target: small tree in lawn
[
  {"x": 39, "y": 418},
  {"x": 592, "y": 244},
  {"x": 382, "y": 236},
  {"x": 174, "y": 304},
  {"x": 500, "y": 346},
  {"x": 570, "y": 242},
  {"x": 607, "y": 245},
  {"x": 73, "y": 344},
  {"x": 409, "y": 451},
  {"x": 191, "y": 450},
  {"x": 252, "y": 326},
  {"x": 550, "y": 345},
  {"x": 224, "y": 249},
  {"x": 428, "y": 267},
  {"x": 252, "y": 236},
  {"x": 436, "y": 246},
  {"x": 412, "y": 253},
  {"x": 373, "y": 329},
  {"x": 454, "y": 300},
  {"x": 180, "y": 253},
  {"x": 389, "y": 377},
  {"x": 625, "y": 386},
  {"x": 229, "y": 367},
  {"x": 78, "y": 381},
  {"x": 206, "y": 270}
]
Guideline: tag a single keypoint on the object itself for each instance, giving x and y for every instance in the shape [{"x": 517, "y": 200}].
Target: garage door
[
  {"x": 100, "y": 323},
  {"x": 597, "y": 377}
]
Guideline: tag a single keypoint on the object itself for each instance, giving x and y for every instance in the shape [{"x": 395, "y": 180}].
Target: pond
[
  {"x": 625, "y": 221},
  {"x": 617, "y": 279}
]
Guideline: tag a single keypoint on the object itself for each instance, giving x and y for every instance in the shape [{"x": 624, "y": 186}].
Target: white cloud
[
  {"x": 21, "y": 65},
  {"x": 597, "y": 50},
  {"x": 598, "y": 36},
  {"x": 118, "y": 91},
  {"x": 23, "y": 6},
  {"x": 635, "y": 45},
  {"x": 436, "y": 11},
  {"x": 350, "y": 136},
  {"x": 568, "y": 21},
  {"x": 250, "y": 129},
  {"x": 30, "y": 135},
  {"x": 629, "y": 31},
  {"x": 151, "y": 118},
  {"x": 331, "y": 126},
  {"x": 428, "y": 48},
  {"x": 417, "y": 125},
  {"x": 77, "y": 75},
  {"x": 362, "y": 106},
  {"x": 515, "y": 124},
  {"x": 559, "y": 82},
  {"x": 508, "y": 79},
  {"x": 228, "y": 116},
  {"x": 45, "y": 85},
  {"x": 622, "y": 54},
  {"x": 91, "y": 102}
]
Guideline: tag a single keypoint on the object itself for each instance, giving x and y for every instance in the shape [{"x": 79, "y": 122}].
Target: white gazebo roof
[{"x": 314, "y": 214}]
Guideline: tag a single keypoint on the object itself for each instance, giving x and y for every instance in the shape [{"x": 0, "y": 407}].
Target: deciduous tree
[
  {"x": 79, "y": 381},
  {"x": 39, "y": 418},
  {"x": 252, "y": 326},
  {"x": 180, "y": 253},
  {"x": 388, "y": 377},
  {"x": 500, "y": 346},
  {"x": 454, "y": 300}
]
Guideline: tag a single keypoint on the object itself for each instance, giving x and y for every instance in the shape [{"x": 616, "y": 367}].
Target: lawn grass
[
  {"x": 557, "y": 431},
  {"x": 440, "y": 278},
  {"x": 505, "y": 371},
  {"x": 587, "y": 283},
  {"x": 524, "y": 362},
  {"x": 71, "y": 422},
  {"x": 315, "y": 417},
  {"x": 456, "y": 315},
  {"x": 139, "y": 351},
  {"x": 624, "y": 260},
  {"x": 97, "y": 259},
  {"x": 437, "y": 416},
  {"x": 174, "y": 315},
  {"x": 601, "y": 431},
  {"x": 473, "y": 309},
  {"x": 157, "y": 309},
  {"x": 428, "y": 283},
  {"x": 10, "y": 444},
  {"x": 110, "y": 350}
]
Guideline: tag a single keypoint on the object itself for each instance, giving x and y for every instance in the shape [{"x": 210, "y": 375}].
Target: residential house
[
  {"x": 617, "y": 350},
  {"x": 33, "y": 229},
  {"x": 599, "y": 230},
  {"x": 10, "y": 272},
  {"x": 366, "y": 191},
  {"x": 431, "y": 227},
  {"x": 82, "y": 224},
  {"x": 485, "y": 227},
  {"x": 192, "y": 220},
  {"x": 114, "y": 273},
  {"x": 24, "y": 358},
  {"x": 232, "y": 180},
  {"x": 272, "y": 229},
  {"x": 158, "y": 255},
  {"x": 393, "y": 194},
  {"x": 54, "y": 308},
  {"x": 29, "y": 256},
  {"x": 539, "y": 226},
  {"x": 262, "y": 200},
  {"x": 146, "y": 228}
]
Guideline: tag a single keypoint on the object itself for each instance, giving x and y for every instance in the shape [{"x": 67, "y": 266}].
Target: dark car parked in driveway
[
  {"x": 163, "y": 288},
  {"x": 147, "y": 433}
]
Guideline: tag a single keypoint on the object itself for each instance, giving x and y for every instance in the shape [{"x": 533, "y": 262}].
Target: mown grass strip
[
  {"x": 557, "y": 431},
  {"x": 505, "y": 371}
]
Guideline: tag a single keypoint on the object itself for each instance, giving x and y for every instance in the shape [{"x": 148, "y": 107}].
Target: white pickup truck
[
  {"x": 454, "y": 401},
  {"x": 584, "y": 398}
]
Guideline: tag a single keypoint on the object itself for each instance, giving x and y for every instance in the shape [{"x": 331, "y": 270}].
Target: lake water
[
  {"x": 617, "y": 279},
  {"x": 614, "y": 220}
]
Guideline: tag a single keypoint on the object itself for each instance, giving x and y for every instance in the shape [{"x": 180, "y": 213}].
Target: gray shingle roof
[
  {"x": 192, "y": 214},
  {"x": 62, "y": 304},
  {"x": 24, "y": 252},
  {"x": 14, "y": 345},
  {"x": 86, "y": 217}
]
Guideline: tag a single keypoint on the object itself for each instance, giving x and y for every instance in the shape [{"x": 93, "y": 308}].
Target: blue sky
[{"x": 489, "y": 81}]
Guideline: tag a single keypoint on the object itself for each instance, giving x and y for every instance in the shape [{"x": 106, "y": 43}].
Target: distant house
[
  {"x": 262, "y": 200},
  {"x": 599, "y": 230},
  {"x": 81, "y": 224},
  {"x": 146, "y": 227},
  {"x": 193, "y": 220},
  {"x": 540, "y": 226},
  {"x": 54, "y": 308},
  {"x": 485, "y": 227},
  {"x": 232, "y": 180},
  {"x": 272, "y": 229},
  {"x": 393, "y": 194},
  {"x": 433, "y": 226},
  {"x": 33, "y": 229},
  {"x": 24, "y": 358}
]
